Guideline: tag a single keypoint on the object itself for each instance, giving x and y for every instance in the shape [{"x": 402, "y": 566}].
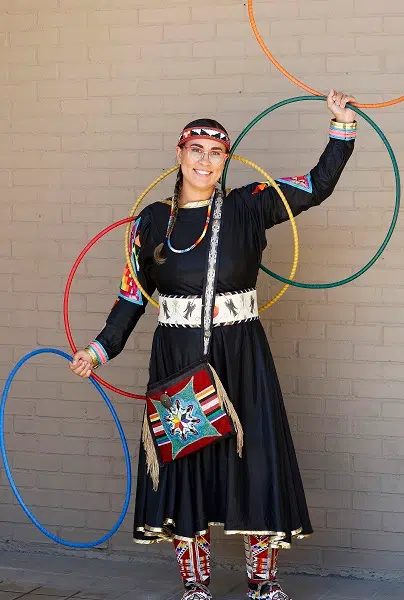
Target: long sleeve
[
  {"x": 303, "y": 192},
  {"x": 131, "y": 303}
]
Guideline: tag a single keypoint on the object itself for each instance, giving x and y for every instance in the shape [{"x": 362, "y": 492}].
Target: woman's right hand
[{"x": 82, "y": 364}]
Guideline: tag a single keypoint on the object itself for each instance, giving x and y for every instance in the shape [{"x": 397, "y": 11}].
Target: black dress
[{"x": 260, "y": 493}]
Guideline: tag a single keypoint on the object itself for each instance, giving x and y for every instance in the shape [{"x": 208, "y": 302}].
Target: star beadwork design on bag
[
  {"x": 185, "y": 422},
  {"x": 182, "y": 420}
]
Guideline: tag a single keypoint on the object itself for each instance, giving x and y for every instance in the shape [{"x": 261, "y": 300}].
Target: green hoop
[{"x": 322, "y": 286}]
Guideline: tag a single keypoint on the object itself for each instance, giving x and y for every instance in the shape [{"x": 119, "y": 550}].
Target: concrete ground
[{"x": 46, "y": 577}]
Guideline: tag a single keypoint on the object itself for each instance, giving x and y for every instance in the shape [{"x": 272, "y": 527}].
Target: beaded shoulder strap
[{"x": 209, "y": 291}]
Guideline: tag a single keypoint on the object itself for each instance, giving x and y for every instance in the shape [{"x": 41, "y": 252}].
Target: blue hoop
[{"x": 8, "y": 470}]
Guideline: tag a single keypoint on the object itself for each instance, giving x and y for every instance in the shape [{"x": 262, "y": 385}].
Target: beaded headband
[{"x": 204, "y": 133}]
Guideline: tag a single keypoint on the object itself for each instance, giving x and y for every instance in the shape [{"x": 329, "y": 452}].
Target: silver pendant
[{"x": 166, "y": 401}]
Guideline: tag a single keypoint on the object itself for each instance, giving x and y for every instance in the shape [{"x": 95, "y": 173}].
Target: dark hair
[{"x": 158, "y": 252}]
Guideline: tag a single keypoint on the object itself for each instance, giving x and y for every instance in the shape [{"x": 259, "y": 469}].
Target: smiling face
[{"x": 202, "y": 163}]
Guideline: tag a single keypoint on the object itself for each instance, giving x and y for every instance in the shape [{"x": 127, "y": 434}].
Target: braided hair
[{"x": 158, "y": 252}]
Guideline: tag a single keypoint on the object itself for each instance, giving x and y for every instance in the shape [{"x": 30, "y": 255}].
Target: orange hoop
[{"x": 296, "y": 81}]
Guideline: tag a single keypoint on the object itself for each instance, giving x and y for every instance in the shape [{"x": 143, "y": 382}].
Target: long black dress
[{"x": 260, "y": 493}]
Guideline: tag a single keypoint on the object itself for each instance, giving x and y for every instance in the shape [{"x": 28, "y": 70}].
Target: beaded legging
[{"x": 193, "y": 557}]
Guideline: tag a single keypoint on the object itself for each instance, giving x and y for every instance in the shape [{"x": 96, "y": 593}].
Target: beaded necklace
[{"x": 198, "y": 241}]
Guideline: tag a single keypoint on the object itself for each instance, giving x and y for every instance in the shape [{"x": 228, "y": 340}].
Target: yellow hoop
[{"x": 268, "y": 178}]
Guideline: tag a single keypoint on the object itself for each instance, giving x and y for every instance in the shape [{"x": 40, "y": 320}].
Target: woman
[{"x": 259, "y": 495}]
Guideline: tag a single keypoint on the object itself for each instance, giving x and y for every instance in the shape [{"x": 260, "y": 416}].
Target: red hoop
[{"x": 66, "y": 304}]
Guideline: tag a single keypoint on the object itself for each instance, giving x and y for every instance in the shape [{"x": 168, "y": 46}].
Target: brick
[
  {"x": 310, "y": 27},
  {"x": 393, "y": 448},
  {"x": 35, "y": 142},
  {"x": 83, "y": 71},
  {"x": 354, "y": 445},
  {"x": 308, "y": 442},
  {"x": 313, "y": 480},
  {"x": 322, "y": 44},
  {"x": 152, "y": 16},
  {"x": 345, "y": 64},
  {"x": 392, "y": 484},
  {"x": 236, "y": 66},
  {"x": 379, "y": 314},
  {"x": 379, "y": 428},
  {"x": 34, "y": 37},
  {"x": 29, "y": 338},
  {"x": 61, "y": 409},
  {"x": 221, "y": 13},
  {"x": 378, "y": 389},
  {"x": 300, "y": 367},
  {"x": 296, "y": 331},
  {"x": 323, "y": 425},
  {"x": 86, "y": 501},
  {"x": 392, "y": 410},
  {"x": 354, "y": 370},
  {"x": 39, "y": 177},
  {"x": 36, "y": 426},
  {"x": 121, "y": 50},
  {"x": 52, "y": 214},
  {"x": 60, "y": 89},
  {"x": 87, "y": 430},
  {"x": 324, "y": 386},
  {"x": 88, "y": 106},
  {"x": 21, "y": 74},
  {"x": 24, "y": 55},
  {"x": 354, "y": 333},
  {"x": 375, "y": 541},
  {"x": 18, "y": 90},
  {"x": 87, "y": 464},
  {"x": 105, "y": 448},
  {"x": 353, "y": 482},
  {"x": 126, "y": 106},
  {"x": 216, "y": 48},
  {"x": 112, "y": 88},
  {"x": 110, "y": 124},
  {"x": 175, "y": 87},
  {"x": 61, "y": 19},
  {"x": 373, "y": 501},
  {"x": 62, "y": 445},
  {"x": 31, "y": 462},
  {"x": 329, "y": 313},
  {"x": 330, "y": 499},
  {"x": 120, "y": 16},
  {"x": 393, "y": 522},
  {"x": 379, "y": 44},
  {"x": 373, "y": 8},
  {"x": 62, "y": 54},
  {"x": 354, "y": 519},
  {"x": 393, "y": 335},
  {"x": 189, "y": 33},
  {"x": 137, "y": 35},
  {"x": 378, "y": 465},
  {"x": 327, "y": 350},
  {"x": 82, "y": 177},
  {"x": 366, "y": 25},
  {"x": 84, "y": 35}
]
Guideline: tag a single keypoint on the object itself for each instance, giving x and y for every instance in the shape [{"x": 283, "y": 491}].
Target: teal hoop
[{"x": 322, "y": 286}]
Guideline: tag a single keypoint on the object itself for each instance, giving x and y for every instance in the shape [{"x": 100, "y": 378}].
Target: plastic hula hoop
[
  {"x": 322, "y": 286},
  {"x": 10, "y": 478},
  {"x": 66, "y": 297},
  {"x": 269, "y": 179},
  {"x": 294, "y": 79}
]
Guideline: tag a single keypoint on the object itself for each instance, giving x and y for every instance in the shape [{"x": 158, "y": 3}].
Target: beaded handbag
[{"x": 191, "y": 409}]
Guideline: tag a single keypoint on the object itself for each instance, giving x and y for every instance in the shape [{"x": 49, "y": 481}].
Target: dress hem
[{"x": 163, "y": 534}]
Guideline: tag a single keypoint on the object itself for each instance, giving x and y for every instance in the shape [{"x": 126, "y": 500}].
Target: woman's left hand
[{"x": 336, "y": 102}]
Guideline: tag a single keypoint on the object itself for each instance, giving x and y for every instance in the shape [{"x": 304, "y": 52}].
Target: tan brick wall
[{"x": 93, "y": 95}]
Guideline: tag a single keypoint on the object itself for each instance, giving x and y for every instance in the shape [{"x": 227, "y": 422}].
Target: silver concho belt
[{"x": 230, "y": 308}]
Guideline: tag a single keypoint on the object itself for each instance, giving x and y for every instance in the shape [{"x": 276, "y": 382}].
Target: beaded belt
[{"x": 185, "y": 311}]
